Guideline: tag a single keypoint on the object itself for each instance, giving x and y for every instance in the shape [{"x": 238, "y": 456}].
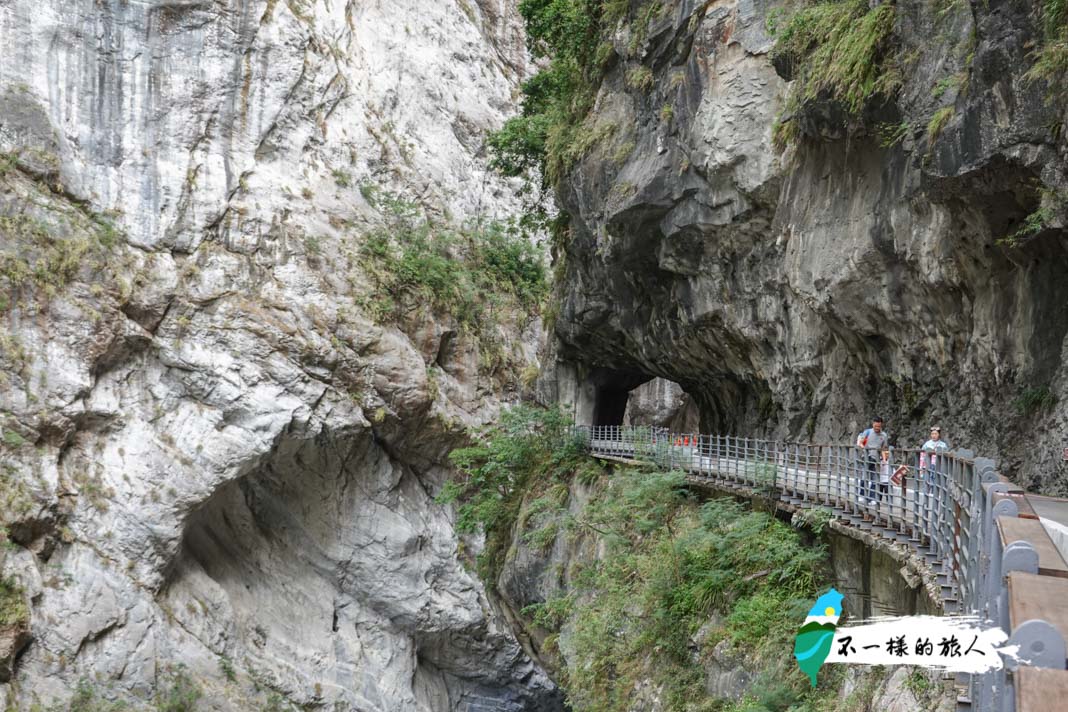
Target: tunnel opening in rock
[{"x": 611, "y": 392}]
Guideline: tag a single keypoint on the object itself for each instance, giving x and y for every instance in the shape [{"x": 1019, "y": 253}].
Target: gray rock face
[
  {"x": 795, "y": 294},
  {"x": 213, "y": 463},
  {"x": 664, "y": 404}
]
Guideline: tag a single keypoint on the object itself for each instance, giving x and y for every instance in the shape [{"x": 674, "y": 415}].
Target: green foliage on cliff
[
  {"x": 669, "y": 566},
  {"x": 554, "y": 128},
  {"x": 87, "y": 698},
  {"x": 1053, "y": 204},
  {"x": 179, "y": 692},
  {"x": 1034, "y": 399},
  {"x": 475, "y": 273},
  {"x": 13, "y": 610},
  {"x": 674, "y": 578},
  {"x": 527, "y": 450},
  {"x": 46, "y": 242},
  {"x": 938, "y": 121},
  {"x": 1051, "y": 59},
  {"x": 837, "y": 50},
  {"x": 556, "y": 99}
]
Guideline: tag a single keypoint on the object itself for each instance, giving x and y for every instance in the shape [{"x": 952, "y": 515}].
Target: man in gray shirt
[{"x": 875, "y": 441}]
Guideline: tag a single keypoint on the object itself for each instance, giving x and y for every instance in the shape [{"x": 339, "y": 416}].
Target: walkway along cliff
[
  {"x": 979, "y": 544},
  {"x": 261, "y": 273},
  {"x": 804, "y": 214}
]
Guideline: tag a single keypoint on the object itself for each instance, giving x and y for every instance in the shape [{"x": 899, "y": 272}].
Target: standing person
[
  {"x": 930, "y": 453},
  {"x": 934, "y": 447},
  {"x": 874, "y": 441}
]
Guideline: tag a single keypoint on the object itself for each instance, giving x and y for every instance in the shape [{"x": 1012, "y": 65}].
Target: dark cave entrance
[
  {"x": 611, "y": 391},
  {"x": 622, "y": 397}
]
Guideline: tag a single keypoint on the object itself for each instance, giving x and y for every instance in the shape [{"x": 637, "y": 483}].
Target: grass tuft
[
  {"x": 640, "y": 78},
  {"x": 838, "y": 51},
  {"x": 13, "y": 608},
  {"x": 1051, "y": 58},
  {"x": 939, "y": 121}
]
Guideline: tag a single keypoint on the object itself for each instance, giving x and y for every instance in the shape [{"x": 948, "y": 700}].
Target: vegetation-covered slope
[{"x": 640, "y": 596}]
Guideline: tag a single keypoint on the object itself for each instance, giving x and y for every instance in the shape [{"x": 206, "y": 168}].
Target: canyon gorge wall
[
  {"x": 218, "y": 461},
  {"x": 904, "y": 260},
  {"x": 217, "y": 465}
]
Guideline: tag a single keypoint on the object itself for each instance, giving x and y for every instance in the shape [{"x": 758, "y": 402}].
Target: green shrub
[
  {"x": 1034, "y": 399},
  {"x": 472, "y": 272},
  {"x": 13, "y": 609},
  {"x": 526, "y": 450},
  {"x": 226, "y": 667},
  {"x": 275, "y": 703},
  {"x": 919, "y": 683},
  {"x": 542, "y": 538},
  {"x": 1051, "y": 204},
  {"x": 667, "y": 563},
  {"x": 1051, "y": 58},
  {"x": 13, "y": 440},
  {"x": 16, "y": 497},
  {"x": 815, "y": 519},
  {"x": 88, "y": 699},
  {"x": 892, "y": 134},
  {"x": 42, "y": 251},
  {"x": 507, "y": 456},
  {"x": 939, "y": 121},
  {"x": 343, "y": 179},
  {"x": 766, "y": 614},
  {"x": 552, "y": 130},
  {"x": 640, "y": 77},
  {"x": 181, "y": 693}
]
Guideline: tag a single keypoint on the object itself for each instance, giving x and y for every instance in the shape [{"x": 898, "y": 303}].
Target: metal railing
[{"x": 942, "y": 505}]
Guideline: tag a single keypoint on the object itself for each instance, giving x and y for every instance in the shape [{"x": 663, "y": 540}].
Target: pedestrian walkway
[{"x": 979, "y": 535}]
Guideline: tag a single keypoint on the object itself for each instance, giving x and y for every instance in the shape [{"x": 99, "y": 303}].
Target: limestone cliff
[
  {"x": 905, "y": 259},
  {"x": 218, "y": 462}
]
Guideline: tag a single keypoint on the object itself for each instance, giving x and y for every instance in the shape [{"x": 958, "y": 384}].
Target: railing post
[
  {"x": 715, "y": 463},
  {"x": 990, "y": 567},
  {"x": 838, "y": 473},
  {"x": 743, "y": 459},
  {"x": 1040, "y": 645}
]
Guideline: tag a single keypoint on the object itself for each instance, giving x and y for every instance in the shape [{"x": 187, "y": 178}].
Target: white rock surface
[{"x": 234, "y": 468}]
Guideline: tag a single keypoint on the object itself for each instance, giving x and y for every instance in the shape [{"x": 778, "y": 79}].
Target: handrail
[{"x": 942, "y": 505}]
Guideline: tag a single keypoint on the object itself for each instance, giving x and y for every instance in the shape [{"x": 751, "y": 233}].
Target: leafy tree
[{"x": 569, "y": 34}]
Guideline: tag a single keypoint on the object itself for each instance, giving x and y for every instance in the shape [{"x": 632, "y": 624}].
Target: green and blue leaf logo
[{"x": 814, "y": 639}]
